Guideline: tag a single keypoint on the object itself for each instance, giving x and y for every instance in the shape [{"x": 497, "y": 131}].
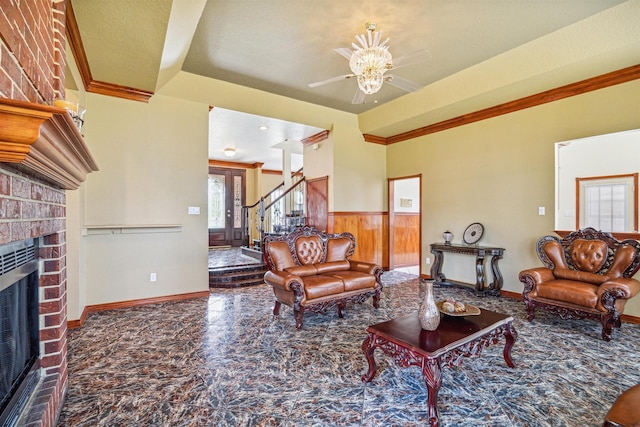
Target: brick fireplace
[{"x": 42, "y": 155}]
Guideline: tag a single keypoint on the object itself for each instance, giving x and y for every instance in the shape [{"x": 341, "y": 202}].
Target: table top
[{"x": 451, "y": 333}]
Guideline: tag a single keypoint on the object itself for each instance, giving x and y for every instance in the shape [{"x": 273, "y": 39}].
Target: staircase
[
  {"x": 237, "y": 276},
  {"x": 280, "y": 211}
]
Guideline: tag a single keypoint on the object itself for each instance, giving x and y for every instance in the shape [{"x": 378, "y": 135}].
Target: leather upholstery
[
  {"x": 588, "y": 274},
  {"x": 337, "y": 249},
  {"x": 625, "y": 411},
  {"x": 317, "y": 274},
  {"x": 281, "y": 255},
  {"x": 309, "y": 250},
  {"x": 579, "y": 293},
  {"x": 588, "y": 255}
]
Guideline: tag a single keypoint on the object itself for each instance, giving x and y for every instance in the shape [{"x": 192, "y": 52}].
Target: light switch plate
[
  {"x": 194, "y": 210},
  {"x": 540, "y": 210}
]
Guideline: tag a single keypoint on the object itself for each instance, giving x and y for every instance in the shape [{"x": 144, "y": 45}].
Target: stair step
[{"x": 237, "y": 276}]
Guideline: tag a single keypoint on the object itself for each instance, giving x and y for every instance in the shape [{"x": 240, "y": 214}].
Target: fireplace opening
[{"x": 19, "y": 328}]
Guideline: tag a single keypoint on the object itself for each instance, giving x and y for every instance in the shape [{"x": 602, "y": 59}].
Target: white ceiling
[
  {"x": 257, "y": 138},
  {"x": 280, "y": 46}
]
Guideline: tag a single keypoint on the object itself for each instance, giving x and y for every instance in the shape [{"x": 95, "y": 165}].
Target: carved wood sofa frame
[
  {"x": 289, "y": 287},
  {"x": 616, "y": 291}
]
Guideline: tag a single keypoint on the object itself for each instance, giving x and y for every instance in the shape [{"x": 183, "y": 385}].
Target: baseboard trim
[{"x": 72, "y": 324}]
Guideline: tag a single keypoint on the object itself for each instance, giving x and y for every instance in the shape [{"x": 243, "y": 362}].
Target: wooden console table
[{"x": 480, "y": 252}]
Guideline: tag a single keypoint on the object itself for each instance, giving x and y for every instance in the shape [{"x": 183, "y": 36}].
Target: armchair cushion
[{"x": 570, "y": 291}]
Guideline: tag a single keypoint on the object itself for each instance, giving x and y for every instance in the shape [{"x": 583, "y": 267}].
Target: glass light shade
[
  {"x": 229, "y": 152},
  {"x": 370, "y": 83},
  {"x": 369, "y": 65}
]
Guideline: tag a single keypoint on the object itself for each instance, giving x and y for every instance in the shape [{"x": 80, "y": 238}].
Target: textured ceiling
[{"x": 280, "y": 46}]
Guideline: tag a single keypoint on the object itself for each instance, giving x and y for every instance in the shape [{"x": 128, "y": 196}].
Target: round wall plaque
[{"x": 473, "y": 233}]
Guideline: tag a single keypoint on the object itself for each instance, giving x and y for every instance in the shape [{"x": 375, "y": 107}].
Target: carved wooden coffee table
[{"x": 456, "y": 337}]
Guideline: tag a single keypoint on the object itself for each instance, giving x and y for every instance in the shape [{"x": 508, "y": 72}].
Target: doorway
[
  {"x": 405, "y": 223},
  {"x": 226, "y": 197}
]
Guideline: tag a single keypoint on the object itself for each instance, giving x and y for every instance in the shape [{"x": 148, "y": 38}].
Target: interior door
[
  {"x": 317, "y": 210},
  {"x": 226, "y": 198},
  {"x": 405, "y": 224}
]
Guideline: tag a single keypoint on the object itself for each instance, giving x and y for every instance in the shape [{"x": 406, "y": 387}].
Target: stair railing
[{"x": 274, "y": 212}]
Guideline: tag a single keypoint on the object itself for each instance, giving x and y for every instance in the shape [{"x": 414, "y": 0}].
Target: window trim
[{"x": 579, "y": 197}]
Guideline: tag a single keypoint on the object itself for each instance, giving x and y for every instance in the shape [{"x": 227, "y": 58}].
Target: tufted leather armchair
[
  {"x": 311, "y": 271},
  {"x": 588, "y": 274}
]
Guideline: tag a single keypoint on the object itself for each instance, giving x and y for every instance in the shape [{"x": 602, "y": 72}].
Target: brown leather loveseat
[
  {"x": 587, "y": 274},
  {"x": 310, "y": 271}
]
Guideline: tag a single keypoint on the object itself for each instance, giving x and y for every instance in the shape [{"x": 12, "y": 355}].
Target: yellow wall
[
  {"x": 153, "y": 160},
  {"x": 499, "y": 171},
  {"x": 359, "y": 172},
  {"x": 153, "y": 166}
]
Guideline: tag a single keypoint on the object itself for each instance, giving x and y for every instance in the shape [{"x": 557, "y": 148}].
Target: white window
[{"x": 608, "y": 203}]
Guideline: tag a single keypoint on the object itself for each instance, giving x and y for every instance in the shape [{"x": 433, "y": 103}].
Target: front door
[{"x": 226, "y": 198}]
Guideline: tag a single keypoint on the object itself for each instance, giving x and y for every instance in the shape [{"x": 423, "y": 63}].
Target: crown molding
[
  {"x": 315, "y": 139},
  {"x": 602, "y": 81},
  {"x": 90, "y": 85}
]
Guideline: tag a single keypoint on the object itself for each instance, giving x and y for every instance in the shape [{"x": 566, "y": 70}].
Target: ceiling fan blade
[
  {"x": 401, "y": 83},
  {"x": 358, "y": 97},
  {"x": 412, "y": 58},
  {"x": 331, "y": 80},
  {"x": 344, "y": 51}
]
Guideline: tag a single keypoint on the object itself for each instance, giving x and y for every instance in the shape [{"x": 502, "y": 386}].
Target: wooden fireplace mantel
[{"x": 44, "y": 140}]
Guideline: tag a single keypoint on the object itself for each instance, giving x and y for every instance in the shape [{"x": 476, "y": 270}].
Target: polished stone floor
[
  {"x": 224, "y": 360},
  {"x": 229, "y": 257}
]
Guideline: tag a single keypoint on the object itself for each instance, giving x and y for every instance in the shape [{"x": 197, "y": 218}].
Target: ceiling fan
[{"x": 369, "y": 62}]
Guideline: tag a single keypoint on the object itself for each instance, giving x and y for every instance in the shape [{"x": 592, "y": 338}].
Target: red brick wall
[
  {"x": 32, "y": 52},
  {"x": 32, "y": 209},
  {"x": 32, "y": 66}
]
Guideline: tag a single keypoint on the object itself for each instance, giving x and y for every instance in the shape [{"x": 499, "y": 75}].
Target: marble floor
[
  {"x": 229, "y": 257},
  {"x": 224, "y": 360}
]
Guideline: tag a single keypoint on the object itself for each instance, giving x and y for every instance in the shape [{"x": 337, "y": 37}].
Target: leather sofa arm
[
  {"x": 537, "y": 275},
  {"x": 281, "y": 279},
  {"x": 363, "y": 267},
  {"x": 532, "y": 277},
  {"x": 622, "y": 287}
]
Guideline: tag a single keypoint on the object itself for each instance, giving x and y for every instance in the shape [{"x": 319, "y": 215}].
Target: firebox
[{"x": 19, "y": 328}]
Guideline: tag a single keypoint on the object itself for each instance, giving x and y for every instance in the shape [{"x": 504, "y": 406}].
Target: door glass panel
[
  {"x": 237, "y": 202},
  {"x": 216, "y": 201}
]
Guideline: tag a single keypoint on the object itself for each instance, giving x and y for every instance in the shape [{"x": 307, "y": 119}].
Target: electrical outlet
[
  {"x": 153, "y": 277},
  {"x": 427, "y": 260}
]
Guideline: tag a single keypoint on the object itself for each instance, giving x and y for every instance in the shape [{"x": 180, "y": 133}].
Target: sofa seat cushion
[
  {"x": 579, "y": 293},
  {"x": 320, "y": 285},
  {"x": 354, "y": 280}
]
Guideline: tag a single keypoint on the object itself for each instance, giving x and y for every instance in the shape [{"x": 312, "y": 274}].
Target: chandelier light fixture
[
  {"x": 370, "y": 59},
  {"x": 230, "y": 152},
  {"x": 370, "y": 63}
]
